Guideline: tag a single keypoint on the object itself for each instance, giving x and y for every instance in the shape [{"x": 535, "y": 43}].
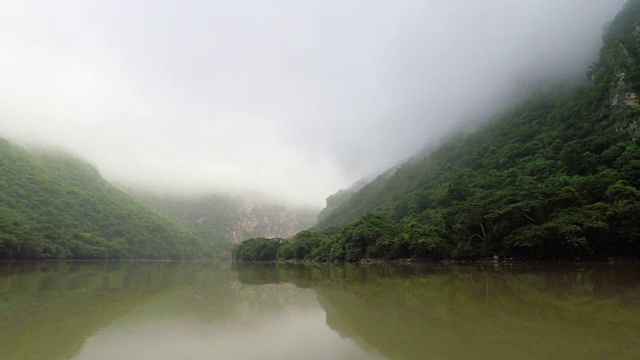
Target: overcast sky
[{"x": 293, "y": 98}]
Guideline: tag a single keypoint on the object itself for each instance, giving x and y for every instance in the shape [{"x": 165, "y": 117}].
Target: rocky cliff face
[
  {"x": 227, "y": 220},
  {"x": 259, "y": 219},
  {"x": 622, "y": 95},
  {"x": 623, "y": 98},
  {"x": 619, "y": 66}
]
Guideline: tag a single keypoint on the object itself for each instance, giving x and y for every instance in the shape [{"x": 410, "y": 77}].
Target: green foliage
[
  {"x": 368, "y": 237},
  {"x": 58, "y": 207},
  {"x": 257, "y": 249},
  {"x": 557, "y": 176}
]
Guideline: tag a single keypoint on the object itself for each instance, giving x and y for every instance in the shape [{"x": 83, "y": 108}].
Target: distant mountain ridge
[{"x": 225, "y": 220}]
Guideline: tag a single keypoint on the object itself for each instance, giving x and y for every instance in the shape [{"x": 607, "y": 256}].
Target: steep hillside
[
  {"x": 58, "y": 207},
  {"x": 336, "y": 200},
  {"x": 556, "y": 176},
  {"x": 226, "y": 220}
]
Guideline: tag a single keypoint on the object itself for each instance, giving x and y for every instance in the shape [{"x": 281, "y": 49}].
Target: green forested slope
[
  {"x": 556, "y": 176},
  {"x": 55, "y": 206}
]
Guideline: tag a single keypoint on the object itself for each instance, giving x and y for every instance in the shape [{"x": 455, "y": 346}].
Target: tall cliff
[{"x": 224, "y": 220}]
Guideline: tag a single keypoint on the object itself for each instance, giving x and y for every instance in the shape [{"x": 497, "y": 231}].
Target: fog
[{"x": 289, "y": 98}]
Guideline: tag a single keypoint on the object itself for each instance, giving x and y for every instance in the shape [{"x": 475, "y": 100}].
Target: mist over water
[{"x": 287, "y": 98}]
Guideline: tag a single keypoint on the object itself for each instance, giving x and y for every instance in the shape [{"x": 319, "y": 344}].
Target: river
[{"x": 196, "y": 310}]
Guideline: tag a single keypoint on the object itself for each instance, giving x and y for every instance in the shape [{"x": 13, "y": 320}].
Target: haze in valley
[{"x": 287, "y": 98}]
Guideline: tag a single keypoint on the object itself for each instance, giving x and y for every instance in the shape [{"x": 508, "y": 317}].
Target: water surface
[{"x": 172, "y": 310}]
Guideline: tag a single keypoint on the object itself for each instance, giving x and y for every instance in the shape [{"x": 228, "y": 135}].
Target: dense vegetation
[
  {"x": 556, "y": 177},
  {"x": 58, "y": 207}
]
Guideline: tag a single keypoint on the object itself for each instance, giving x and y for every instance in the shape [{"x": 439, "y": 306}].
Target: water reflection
[
  {"x": 475, "y": 312},
  {"x": 151, "y": 310}
]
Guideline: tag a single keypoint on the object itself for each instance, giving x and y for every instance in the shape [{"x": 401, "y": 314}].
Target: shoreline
[{"x": 483, "y": 261}]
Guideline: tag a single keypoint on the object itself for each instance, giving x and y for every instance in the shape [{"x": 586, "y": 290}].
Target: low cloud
[{"x": 294, "y": 99}]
